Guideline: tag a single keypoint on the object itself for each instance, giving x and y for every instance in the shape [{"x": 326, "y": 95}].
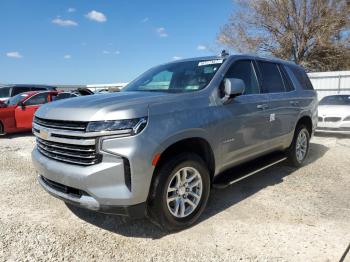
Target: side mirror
[
  {"x": 233, "y": 87},
  {"x": 22, "y": 105}
]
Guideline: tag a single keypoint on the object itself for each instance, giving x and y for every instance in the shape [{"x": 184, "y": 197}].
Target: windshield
[
  {"x": 4, "y": 92},
  {"x": 15, "y": 99},
  {"x": 177, "y": 77},
  {"x": 336, "y": 100}
]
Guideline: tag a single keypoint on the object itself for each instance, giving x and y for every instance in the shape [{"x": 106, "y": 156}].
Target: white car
[{"x": 334, "y": 114}]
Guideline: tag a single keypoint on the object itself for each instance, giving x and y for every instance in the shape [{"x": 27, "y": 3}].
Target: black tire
[
  {"x": 2, "y": 132},
  {"x": 292, "y": 150},
  {"x": 157, "y": 208}
]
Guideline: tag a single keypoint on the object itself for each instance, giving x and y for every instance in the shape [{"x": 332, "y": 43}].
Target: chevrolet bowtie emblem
[{"x": 44, "y": 134}]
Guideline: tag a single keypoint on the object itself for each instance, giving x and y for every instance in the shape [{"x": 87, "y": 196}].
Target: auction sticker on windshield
[{"x": 210, "y": 62}]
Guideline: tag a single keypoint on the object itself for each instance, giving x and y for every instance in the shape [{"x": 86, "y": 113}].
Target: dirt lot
[{"x": 280, "y": 214}]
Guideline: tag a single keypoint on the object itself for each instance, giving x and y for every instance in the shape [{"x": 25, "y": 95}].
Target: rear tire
[
  {"x": 179, "y": 193},
  {"x": 299, "y": 149}
]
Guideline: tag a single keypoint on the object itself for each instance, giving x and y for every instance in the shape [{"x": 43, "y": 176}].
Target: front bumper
[
  {"x": 81, "y": 199},
  {"x": 100, "y": 187},
  {"x": 340, "y": 127}
]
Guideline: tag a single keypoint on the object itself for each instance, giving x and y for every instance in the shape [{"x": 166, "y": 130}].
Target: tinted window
[
  {"x": 64, "y": 96},
  {"x": 177, "y": 77},
  {"x": 286, "y": 80},
  {"x": 299, "y": 77},
  {"x": 336, "y": 100},
  {"x": 271, "y": 78},
  {"x": 15, "y": 99},
  {"x": 37, "y": 88},
  {"x": 244, "y": 70},
  {"x": 4, "y": 92},
  {"x": 38, "y": 99},
  {"x": 19, "y": 89}
]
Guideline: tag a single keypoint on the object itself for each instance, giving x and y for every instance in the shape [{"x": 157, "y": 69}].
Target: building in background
[{"x": 330, "y": 83}]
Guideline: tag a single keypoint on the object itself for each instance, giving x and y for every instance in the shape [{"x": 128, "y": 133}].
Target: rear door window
[
  {"x": 271, "y": 78},
  {"x": 244, "y": 70}
]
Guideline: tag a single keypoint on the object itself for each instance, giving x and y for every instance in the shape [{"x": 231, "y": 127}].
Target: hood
[
  {"x": 122, "y": 105},
  {"x": 333, "y": 110}
]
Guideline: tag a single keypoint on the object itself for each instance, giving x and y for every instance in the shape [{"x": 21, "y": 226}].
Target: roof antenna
[{"x": 224, "y": 53}]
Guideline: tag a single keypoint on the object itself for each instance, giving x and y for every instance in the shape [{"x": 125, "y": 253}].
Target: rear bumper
[{"x": 82, "y": 199}]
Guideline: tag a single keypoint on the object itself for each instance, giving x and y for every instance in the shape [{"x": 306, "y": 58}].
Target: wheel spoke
[
  {"x": 194, "y": 195},
  {"x": 171, "y": 189},
  {"x": 193, "y": 184},
  {"x": 191, "y": 203},
  {"x": 182, "y": 208},
  {"x": 171, "y": 199},
  {"x": 178, "y": 179},
  {"x": 177, "y": 205}
]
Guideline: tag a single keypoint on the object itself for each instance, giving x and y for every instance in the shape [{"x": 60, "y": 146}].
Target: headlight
[
  {"x": 130, "y": 126},
  {"x": 347, "y": 118}
]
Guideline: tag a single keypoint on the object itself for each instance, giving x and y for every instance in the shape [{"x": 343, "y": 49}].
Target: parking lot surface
[{"x": 280, "y": 214}]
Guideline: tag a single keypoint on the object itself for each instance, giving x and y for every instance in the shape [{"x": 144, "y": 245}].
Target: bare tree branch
[{"x": 313, "y": 33}]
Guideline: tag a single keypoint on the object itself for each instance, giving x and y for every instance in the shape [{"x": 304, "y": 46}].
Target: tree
[{"x": 313, "y": 33}]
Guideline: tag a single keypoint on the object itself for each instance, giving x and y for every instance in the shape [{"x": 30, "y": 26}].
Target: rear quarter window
[{"x": 299, "y": 77}]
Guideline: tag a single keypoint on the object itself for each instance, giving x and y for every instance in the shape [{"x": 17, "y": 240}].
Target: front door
[
  {"x": 24, "y": 114},
  {"x": 245, "y": 125}
]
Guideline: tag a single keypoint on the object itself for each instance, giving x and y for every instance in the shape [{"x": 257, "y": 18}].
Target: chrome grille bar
[{"x": 59, "y": 124}]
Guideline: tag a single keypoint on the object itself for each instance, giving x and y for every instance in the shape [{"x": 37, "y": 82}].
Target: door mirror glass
[{"x": 233, "y": 87}]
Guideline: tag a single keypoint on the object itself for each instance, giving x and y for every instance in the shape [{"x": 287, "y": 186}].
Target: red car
[{"x": 18, "y": 112}]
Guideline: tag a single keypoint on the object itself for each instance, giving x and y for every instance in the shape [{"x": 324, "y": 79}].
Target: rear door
[
  {"x": 24, "y": 115},
  {"x": 283, "y": 108},
  {"x": 245, "y": 124}
]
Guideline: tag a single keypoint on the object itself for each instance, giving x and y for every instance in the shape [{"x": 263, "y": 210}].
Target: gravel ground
[{"x": 280, "y": 214}]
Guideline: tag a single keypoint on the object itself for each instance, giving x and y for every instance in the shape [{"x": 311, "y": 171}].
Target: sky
[{"x": 105, "y": 41}]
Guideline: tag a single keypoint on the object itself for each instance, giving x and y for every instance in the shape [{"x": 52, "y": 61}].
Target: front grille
[
  {"x": 320, "y": 119},
  {"x": 84, "y": 155},
  {"x": 332, "y": 119},
  {"x": 60, "y": 124}
]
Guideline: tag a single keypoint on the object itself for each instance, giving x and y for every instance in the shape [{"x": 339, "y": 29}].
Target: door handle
[{"x": 262, "y": 106}]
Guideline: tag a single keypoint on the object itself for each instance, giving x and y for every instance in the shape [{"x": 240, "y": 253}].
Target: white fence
[{"x": 331, "y": 83}]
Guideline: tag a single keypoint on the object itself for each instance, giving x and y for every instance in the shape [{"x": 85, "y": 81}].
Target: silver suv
[{"x": 154, "y": 148}]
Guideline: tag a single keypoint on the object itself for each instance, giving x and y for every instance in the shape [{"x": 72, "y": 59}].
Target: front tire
[
  {"x": 180, "y": 192},
  {"x": 2, "y": 131},
  {"x": 299, "y": 149}
]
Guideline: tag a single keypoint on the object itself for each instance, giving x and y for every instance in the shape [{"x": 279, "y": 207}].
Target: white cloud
[
  {"x": 14, "y": 54},
  {"x": 145, "y": 20},
  {"x": 106, "y": 52},
  {"x": 96, "y": 16},
  {"x": 67, "y": 56},
  {"x": 177, "y": 57},
  {"x": 64, "y": 22},
  {"x": 201, "y": 47},
  {"x": 162, "y": 32},
  {"x": 71, "y": 10}
]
